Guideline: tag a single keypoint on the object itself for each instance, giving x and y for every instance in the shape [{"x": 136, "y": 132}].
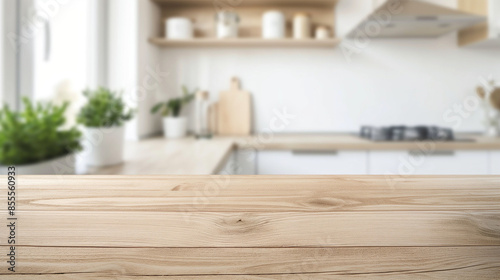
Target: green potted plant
[
  {"x": 174, "y": 125},
  {"x": 103, "y": 117},
  {"x": 35, "y": 140}
]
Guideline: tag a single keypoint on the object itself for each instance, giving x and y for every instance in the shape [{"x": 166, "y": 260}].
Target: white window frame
[
  {"x": 18, "y": 63},
  {"x": 97, "y": 70},
  {"x": 10, "y": 53}
]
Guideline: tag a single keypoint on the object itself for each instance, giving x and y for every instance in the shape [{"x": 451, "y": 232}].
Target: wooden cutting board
[{"x": 235, "y": 116}]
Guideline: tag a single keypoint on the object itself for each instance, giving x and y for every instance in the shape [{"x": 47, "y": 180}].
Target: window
[{"x": 58, "y": 43}]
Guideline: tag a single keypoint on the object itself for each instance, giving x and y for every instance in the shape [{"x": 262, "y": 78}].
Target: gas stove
[{"x": 407, "y": 133}]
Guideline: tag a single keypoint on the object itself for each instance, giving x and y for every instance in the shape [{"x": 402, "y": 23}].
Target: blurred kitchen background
[{"x": 253, "y": 87}]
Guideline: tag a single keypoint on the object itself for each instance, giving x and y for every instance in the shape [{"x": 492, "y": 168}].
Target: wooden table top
[{"x": 256, "y": 227}]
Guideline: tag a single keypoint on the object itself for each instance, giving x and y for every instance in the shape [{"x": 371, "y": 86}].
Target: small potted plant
[
  {"x": 174, "y": 125},
  {"x": 36, "y": 142},
  {"x": 103, "y": 117}
]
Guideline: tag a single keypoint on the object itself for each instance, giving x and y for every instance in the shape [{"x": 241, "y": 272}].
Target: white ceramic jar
[
  {"x": 302, "y": 26},
  {"x": 273, "y": 25},
  {"x": 227, "y": 24},
  {"x": 322, "y": 33},
  {"x": 179, "y": 28}
]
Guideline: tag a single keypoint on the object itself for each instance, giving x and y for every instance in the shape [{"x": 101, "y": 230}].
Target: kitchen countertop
[
  {"x": 257, "y": 227},
  {"x": 188, "y": 156},
  {"x": 158, "y": 156},
  {"x": 327, "y": 142}
]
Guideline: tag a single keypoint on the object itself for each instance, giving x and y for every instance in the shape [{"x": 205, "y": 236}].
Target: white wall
[{"x": 1, "y": 50}]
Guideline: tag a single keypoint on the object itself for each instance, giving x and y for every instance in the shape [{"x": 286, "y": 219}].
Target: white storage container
[
  {"x": 179, "y": 28},
  {"x": 227, "y": 24},
  {"x": 273, "y": 25},
  {"x": 322, "y": 33},
  {"x": 302, "y": 26}
]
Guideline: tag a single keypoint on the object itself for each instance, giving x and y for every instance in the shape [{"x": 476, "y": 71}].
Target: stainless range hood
[{"x": 414, "y": 19}]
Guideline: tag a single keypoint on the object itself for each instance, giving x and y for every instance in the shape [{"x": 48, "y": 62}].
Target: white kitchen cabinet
[
  {"x": 229, "y": 167},
  {"x": 495, "y": 162},
  {"x": 246, "y": 163},
  {"x": 312, "y": 162},
  {"x": 240, "y": 162},
  {"x": 437, "y": 163}
]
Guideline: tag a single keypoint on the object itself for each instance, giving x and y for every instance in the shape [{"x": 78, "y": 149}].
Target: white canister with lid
[
  {"x": 179, "y": 28},
  {"x": 273, "y": 25},
  {"x": 227, "y": 24},
  {"x": 302, "y": 26}
]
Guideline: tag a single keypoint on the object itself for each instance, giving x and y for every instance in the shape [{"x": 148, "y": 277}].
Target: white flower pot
[
  {"x": 64, "y": 165},
  {"x": 103, "y": 146},
  {"x": 174, "y": 128}
]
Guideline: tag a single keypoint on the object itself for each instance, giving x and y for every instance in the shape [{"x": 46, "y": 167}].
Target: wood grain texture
[
  {"x": 256, "y": 261},
  {"x": 117, "y": 229},
  {"x": 227, "y": 200},
  {"x": 99, "y": 186},
  {"x": 257, "y": 227}
]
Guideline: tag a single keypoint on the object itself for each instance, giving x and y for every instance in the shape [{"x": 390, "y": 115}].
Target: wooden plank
[
  {"x": 265, "y": 3},
  {"x": 369, "y": 261},
  {"x": 245, "y": 42},
  {"x": 227, "y": 200},
  {"x": 148, "y": 229},
  {"x": 36, "y": 186},
  {"x": 466, "y": 274}
]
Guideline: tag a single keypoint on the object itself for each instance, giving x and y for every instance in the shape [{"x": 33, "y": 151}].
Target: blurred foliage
[
  {"x": 104, "y": 109},
  {"x": 35, "y": 134},
  {"x": 173, "y": 107}
]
